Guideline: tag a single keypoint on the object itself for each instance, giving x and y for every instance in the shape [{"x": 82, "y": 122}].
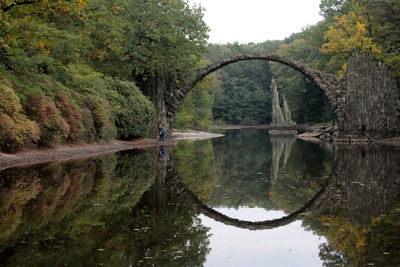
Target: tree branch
[
  {"x": 6, "y": 63},
  {"x": 18, "y": 4}
]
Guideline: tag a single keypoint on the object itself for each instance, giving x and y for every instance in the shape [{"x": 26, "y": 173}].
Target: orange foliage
[
  {"x": 53, "y": 127},
  {"x": 16, "y": 130},
  {"x": 71, "y": 114}
]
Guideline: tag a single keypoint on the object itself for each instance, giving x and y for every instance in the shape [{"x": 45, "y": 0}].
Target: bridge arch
[
  {"x": 365, "y": 101},
  {"x": 331, "y": 85},
  {"x": 323, "y": 80}
]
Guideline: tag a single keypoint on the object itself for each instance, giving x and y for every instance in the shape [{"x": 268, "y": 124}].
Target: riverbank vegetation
[{"x": 71, "y": 71}]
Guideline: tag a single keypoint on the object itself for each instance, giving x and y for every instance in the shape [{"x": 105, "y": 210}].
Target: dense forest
[
  {"x": 86, "y": 71},
  {"x": 75, "y": 71}
]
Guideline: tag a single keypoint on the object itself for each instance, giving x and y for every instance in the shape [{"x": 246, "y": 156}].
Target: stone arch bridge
[{"x": 365, "y": 102}]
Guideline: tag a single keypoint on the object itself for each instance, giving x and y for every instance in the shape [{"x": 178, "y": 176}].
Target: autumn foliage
[
  {"x": 16, "y": 130},
  {"x": 53, "y": 127},
  {"x": 75, "y": 65},
  {"x": 71, "y": 115}
]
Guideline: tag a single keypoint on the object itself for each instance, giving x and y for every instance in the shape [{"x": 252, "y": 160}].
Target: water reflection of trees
[
  {"x": 120, "y": 209},
  {"x": 242, "y": 163},
  {"x": 360, "y": 217},
  {"x": 86, "y": 213},
  {"x": 239, "y": 170},
  {"x": 358, "y": 211},
  {"x": 305, "y": 171},
  {"x": 196, "y": 164}
]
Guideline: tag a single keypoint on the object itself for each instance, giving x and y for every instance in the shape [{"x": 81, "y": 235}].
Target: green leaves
[
  {"x": 144, "y": 37},
  {"x": 196, "y": 110},
  {"x": 241, "y": 92},
  {"x": 134, "y": 112},
  {"x": 360, "y": 26},
  {"x": 85, "y": 54},
  {"x": 166, "y": 37}
]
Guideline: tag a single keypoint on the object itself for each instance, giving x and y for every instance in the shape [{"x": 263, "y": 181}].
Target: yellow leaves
[
  {"x": 81, "y": 3},
  {"x": 342, "y": 72},
  {"x": 41, "y": 44},
  {"x": 117, "y": 9},
  {"x": 77, "y": 7},
  {"x": 361, "y": 27},
  {"x": 361, "y": 242},
  {"x": 349, "y": 34},
  {"x": 43, "y": 47}
]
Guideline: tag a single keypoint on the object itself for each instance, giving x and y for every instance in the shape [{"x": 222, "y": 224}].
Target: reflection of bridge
[
  {"x": 260, "y": 225},
  {"x": 183, "y": 193},
  {"x": 370, "y": 172}
]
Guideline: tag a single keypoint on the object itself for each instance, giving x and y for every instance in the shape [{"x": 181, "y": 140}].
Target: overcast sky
[{"x": 256, "y": 21}]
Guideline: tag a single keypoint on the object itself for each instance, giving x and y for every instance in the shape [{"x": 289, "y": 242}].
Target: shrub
[
  {"x": 53, "y": 127},
  {"x": 89, "y": 131},
  {"x": 71, "y": 115},
  {"x": 134, "y": 112},
  {"x": 16, "y": 130},
  {"x": 91, "y": 87},
  {"x": 102, "y": 122}
]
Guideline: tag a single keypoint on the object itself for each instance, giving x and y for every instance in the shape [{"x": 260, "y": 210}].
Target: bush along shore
[
  {"x": 36, "y": 110},
  {"x": 77, "y": 72}
]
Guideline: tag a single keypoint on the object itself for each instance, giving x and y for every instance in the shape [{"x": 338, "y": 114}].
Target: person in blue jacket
[
  {"x": 163, "y": 131},
  {"x": 162, "y": 152}
]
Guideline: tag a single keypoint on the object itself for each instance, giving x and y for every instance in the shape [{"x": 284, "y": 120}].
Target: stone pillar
[
  {"x": 277, "y": 115},
  {"x": 287, "y": 114},
  {"x": 371, "y": 107}
]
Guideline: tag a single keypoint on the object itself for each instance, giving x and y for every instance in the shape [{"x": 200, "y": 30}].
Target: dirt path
[{"x": 71, "y": 152}]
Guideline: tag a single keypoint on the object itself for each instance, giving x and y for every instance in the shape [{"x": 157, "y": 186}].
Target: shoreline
[
  {"x": 70, "y": 152},
  {"x": 82, "y": 151}
]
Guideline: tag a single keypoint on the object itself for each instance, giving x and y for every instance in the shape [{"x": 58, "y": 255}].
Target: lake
[{"x": 245, "y": 199}]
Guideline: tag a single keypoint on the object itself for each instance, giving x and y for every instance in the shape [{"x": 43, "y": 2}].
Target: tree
[
  {"x": 164, "y": 37},
  {"x": 196, "y": 110},
  {"x": 241, "y": 92},
  {"x": 331, "y": 8},
  {"x": 22, "y": 25},
  {"x": 384, "y": 19},
  {"x": 307, "y": 102},
  {"x": 349, "y": 35}
]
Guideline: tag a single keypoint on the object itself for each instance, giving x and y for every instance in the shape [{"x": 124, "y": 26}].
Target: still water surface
[{"x": 246, "y": 199}]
